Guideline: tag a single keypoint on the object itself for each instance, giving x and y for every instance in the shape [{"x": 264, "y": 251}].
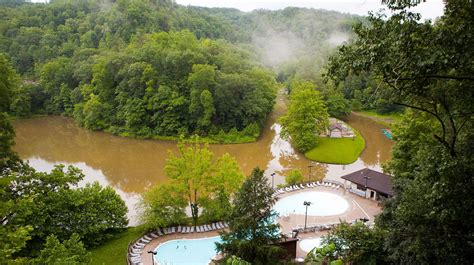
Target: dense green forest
[{"x": 155, "y": 69}]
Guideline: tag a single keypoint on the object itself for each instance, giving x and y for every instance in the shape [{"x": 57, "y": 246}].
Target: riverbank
[
  {"x": 341, "y": 151},
  {"x": 384, "y": 119}
]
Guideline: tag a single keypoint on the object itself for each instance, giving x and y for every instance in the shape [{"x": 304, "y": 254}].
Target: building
[
  {"x": 369, "y": 183},
  {"x": 338, "y": 129}
]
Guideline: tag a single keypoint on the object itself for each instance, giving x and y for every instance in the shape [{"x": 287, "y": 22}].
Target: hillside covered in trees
[{"x": 155, "y": 69}]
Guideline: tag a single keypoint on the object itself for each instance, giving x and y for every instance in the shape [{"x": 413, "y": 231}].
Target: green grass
[
  {"x": 337, "y": 150},
  {"x": 114, "y": 251},
  {"x": 384, "y": 119}
]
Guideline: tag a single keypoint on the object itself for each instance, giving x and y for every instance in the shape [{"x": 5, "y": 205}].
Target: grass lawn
[
  {"x": 114, "y": 251},
  {"x": 337, "y": 150},
  {"x": 384, "y": 119}
]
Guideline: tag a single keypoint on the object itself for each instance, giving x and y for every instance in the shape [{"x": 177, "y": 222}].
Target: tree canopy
[
  {"x": 306, "y": 117},
  {"x": 426, "y": 67},
  {"x": 198, "y": 180},
  {"x": 252, "y": 227}
]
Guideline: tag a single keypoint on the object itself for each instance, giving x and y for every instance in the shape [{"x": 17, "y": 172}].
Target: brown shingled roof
[{"x": 378, "y": 181}]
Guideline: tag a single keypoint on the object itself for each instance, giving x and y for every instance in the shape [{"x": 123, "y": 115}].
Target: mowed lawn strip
[
  {"x": 115, "y": 250},
  {"x": 337, "y": 150}
]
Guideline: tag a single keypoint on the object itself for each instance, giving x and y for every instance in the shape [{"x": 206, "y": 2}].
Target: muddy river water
[{"x": 133, "y": 165}]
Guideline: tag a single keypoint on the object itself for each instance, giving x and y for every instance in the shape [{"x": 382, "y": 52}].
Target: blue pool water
[{"x": 187, "y": 251}]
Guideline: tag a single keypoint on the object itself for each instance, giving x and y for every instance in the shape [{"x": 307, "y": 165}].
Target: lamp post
[
  {"x": 305, "y": 203},
  {"x": 153, "y": 253},
  {"x": 366, "y": 180},
  {"x": 273, "y": 179},
  {"x": 309, "y": 174}
]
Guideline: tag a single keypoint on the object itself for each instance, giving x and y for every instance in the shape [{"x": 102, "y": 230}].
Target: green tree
[
  {"x": 428, "y": 68},
  {"x": 306, "y": 116},
  {"x": 338, "y": 106},
  {"x": 295, "y": 176},
  {"x": 197, "y": 180},
  {"x": 59, "y": 207},
  {"x": 71, "y": 251},
  {"x": 252, "y": 229},
  {"x": 9, "y": 160},
  {"x": 356, "y": 243},
  {"x": 13, "y": 237},
  {"x": 324, "y": 255},
  {"x": 164, "y": 206},
  {"x": 8, "y": 83}
]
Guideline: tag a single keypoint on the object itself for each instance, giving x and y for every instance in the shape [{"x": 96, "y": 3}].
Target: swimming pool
[
  {"x": 308, "y": 244},
  {"x": 187, "y": 251},
  {"x": 322, "y": 204}
]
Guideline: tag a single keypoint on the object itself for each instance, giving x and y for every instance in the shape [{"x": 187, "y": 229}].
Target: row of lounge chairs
[
  {"x": 307, "y": 185},
  {"x": 314, "y": 227},
  {"x": 136, "y": 249}
]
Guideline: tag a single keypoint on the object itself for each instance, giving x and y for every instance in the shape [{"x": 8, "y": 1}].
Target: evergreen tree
[{"x": 253, "y": 230}]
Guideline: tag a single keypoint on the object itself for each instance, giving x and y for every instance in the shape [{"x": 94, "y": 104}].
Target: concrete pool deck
[{"x": 358, "y": 208}]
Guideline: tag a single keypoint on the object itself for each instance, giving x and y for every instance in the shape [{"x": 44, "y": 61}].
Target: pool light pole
[
  {"x": 153, "y": 253},
  {"x": 309, "y": 174},
  {"x": 366, "y": 180},
  {"x": 305, "y": 203},
  {"x": 273, "y": 179}
]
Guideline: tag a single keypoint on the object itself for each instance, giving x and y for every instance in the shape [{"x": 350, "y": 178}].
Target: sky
[{"x": 430, "y": 9}]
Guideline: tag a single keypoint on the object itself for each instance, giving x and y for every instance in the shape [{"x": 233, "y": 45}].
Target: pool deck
[{"x": 358, "y": 208}]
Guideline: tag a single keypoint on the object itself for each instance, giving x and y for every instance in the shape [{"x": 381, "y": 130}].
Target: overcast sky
[{"x": 429, "y": 9}]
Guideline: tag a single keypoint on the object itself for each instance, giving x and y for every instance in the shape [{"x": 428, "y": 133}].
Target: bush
[{"x": 294, "y": 177}]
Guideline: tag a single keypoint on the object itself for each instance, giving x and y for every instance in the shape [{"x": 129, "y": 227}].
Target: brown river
[{"x": 133, "y": 165}]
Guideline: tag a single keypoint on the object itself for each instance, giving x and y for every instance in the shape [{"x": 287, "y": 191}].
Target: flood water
[{"x": 131, "y": 166}]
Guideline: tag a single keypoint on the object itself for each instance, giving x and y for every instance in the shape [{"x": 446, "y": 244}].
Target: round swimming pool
[
  {"x": 308, "y": 244},
  {"x": 322, "y": 204},
  {"x": 187, "y": 251}
]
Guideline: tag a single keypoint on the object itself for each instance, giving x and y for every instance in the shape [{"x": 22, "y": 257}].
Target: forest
[{"x": 155, "y": 69}]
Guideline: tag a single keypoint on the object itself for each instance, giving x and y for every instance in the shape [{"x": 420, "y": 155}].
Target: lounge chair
[
  {"x": 147, "y": 237},
  {"x": 173, "y": 229},
  {"x": 308, "y": 185},
  {"x": 301, "y": 186},
  {"x": 144, "y": 240}
]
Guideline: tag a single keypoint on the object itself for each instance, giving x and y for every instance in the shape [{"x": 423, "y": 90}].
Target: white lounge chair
[
  {"x": 146, "y": 241},
  {"x": 308, "y": 185},
  {"x": 147, "y": 237},
  {"x": 301, "y": 186}
]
